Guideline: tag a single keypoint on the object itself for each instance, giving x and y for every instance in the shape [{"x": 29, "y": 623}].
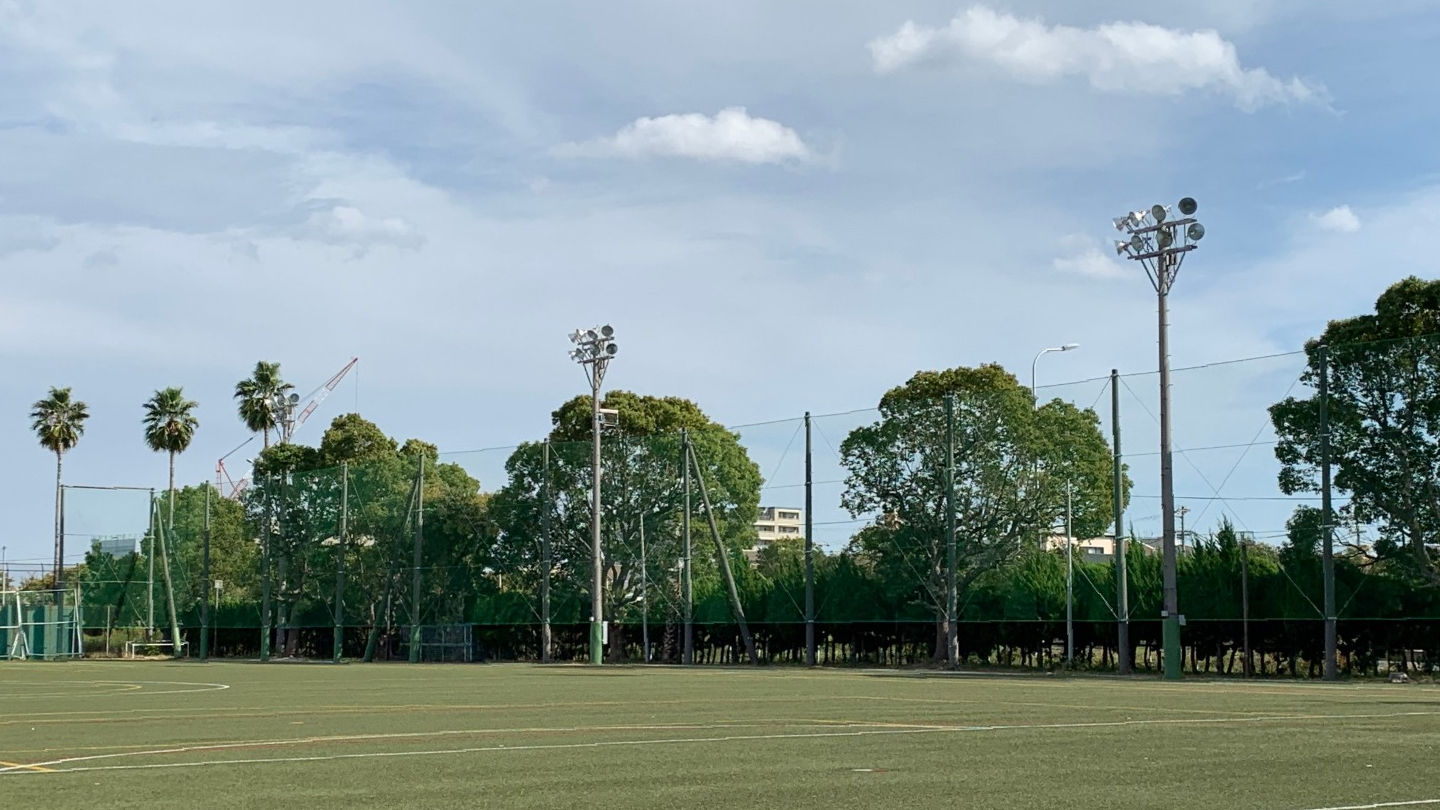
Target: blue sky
[{"x": 781, "y": 207}]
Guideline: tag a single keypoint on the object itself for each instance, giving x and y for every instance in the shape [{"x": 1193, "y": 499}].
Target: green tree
[
  {"x": 256, "y": 395},
  {"x": 1384, "y": 413},
  {"x": 170, "y": 426},
  {"x": 1013, "y": 463},
  {"x": 59, "y": 421},
  {"x": 642, "y": 481}
]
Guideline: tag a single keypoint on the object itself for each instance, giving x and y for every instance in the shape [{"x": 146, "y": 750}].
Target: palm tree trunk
[
  {"x": 165, "y": 565},
  {"x": 59, "y": 537}
]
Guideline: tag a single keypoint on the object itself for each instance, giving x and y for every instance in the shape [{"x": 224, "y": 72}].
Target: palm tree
[
  {"x": 59, "y": 422},
  {"x": 257, "y": 395},
  {"x": 170, "y": 425}
]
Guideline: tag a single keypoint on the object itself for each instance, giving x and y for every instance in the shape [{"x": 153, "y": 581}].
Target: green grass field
[{"x": 161, "y": 735}]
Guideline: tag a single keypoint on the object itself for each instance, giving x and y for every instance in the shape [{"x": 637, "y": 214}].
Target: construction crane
[{"x": 287, "y": 420}]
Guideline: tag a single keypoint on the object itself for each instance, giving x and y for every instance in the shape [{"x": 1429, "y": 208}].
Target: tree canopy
[
  {"x": 1013, "y": 464},
  {"x": 1384, "y": 416}
]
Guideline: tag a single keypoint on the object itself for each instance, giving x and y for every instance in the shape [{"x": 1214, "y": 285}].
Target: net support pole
[
  {"x": 952, "y": 596},
  {"x": 338, "y": 650},
  {"x": 150, "y": 566},
  {"x": 724, "y": 560},
  {"x": 1122, "y": 583},
  {"x": 546, "y": 563},
  {"x": 687, "y": 584},
  {"x": 415, "y": 574},
  {"x": 265, "y": 543},
  {"x": 809, "y": 549},
  {"x": 644, "y": 596},
  {"x": 1332, "y": 670},
  {"x": 205, "y": 586}
]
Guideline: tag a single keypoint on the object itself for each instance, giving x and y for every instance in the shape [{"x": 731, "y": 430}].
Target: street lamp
[
  {"x": 1160, "y": 243},
  {"x": 1069, "y": 551},
  {"x": 594, "y": 348},
  {"x": 1068, "y": 347}
]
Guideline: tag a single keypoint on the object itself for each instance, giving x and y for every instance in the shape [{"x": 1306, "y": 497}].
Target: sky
[{"x": 781, "y": 207}]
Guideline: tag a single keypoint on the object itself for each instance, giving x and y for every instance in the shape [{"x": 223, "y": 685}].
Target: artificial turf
[{"x": 155, "y": 735}]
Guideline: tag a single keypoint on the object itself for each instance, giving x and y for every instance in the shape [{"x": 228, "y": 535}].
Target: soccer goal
[
  {"x": 40, "y": 624},
  {"x": 446, "y": 643}
]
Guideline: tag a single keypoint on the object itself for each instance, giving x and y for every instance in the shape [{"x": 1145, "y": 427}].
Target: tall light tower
[
  {"x": 1160, "y": 243},
  {"x": 283, "y": 407},
  {"x": 594, "y": 348}
]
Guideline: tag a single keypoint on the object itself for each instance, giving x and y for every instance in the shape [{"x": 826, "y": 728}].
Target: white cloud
[
  {"x": 1087, "y": 259},
  {"x": 1131, "y": 57},
  {"x": 349, "y": 226},
  {"x": 730, "y": 135},
  {"x": 1339, "y": 219}
]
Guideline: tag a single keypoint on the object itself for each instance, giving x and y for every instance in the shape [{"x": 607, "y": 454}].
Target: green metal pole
[
  {"x": 415, "y": 576},
  {"x": 809, "y": 551},
  {"x": 546, "y": 563},
  {"x": 205, "y": 585},
  {"x": 1332, "y": 668},
  {"x": 952, "y": 605},
  {"x": 265, "y": 543},
  {"x": 687, "y": 584},
  {"x": 339, "y": 645}
]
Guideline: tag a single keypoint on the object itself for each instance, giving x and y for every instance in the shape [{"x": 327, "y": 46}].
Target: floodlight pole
[
  {"x": 594, "y": 348},
  {"x": 597, "y": 582},
  {"x": 1160, "y": 246},
  {"x": 1170, "y": 610}
]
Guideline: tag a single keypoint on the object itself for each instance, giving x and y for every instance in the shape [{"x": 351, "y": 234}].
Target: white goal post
[{"x": 40, "y": 624}]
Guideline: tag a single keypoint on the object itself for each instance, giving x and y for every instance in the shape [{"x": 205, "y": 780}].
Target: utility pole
[
  {"x": 1245, "y": 601},
  {"x": 415, "y": 575},
  {"x": 1181, "y": 513},
  {"x": 687, "y": 584},
  {"x": 205, "y": 587},
  {"x": 809, "y": 549},
  {"x": 339, "y": 646},
  {"x": 1122, "y": 584},
  {"x": 952, "y": 607},
  {"x": 546, "y": 564},
  {"x": 1327, "y": 518}
]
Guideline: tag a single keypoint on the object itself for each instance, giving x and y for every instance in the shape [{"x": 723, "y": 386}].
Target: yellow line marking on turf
[{"x": 32, "y": 768}]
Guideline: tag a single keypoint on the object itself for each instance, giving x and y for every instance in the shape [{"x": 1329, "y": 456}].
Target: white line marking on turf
[
  {"x": 866, "y": 730},
  {"x": 1383, "y": 804},
  {"x": 138, "y": 688}
]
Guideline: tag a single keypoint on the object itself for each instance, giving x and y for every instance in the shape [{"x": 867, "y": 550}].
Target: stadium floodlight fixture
[
  {"x": 594, "y": 348},
  {"x": 1121, "y": 246},
  {"x": 1159, "y": 243}
]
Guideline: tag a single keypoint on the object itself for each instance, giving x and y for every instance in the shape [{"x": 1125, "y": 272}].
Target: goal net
[{"x": 40, "y": 624}]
